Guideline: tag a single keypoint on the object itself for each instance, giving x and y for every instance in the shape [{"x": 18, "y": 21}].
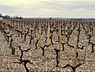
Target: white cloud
[{"x": 46, "y": 8}]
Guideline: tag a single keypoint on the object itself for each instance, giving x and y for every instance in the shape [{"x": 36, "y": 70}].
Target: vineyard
[{"x": 47, "y": 45}]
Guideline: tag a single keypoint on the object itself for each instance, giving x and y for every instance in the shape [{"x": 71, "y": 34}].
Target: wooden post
[
  {"x": 93, "y": 29},
  {"x": 30, "y": 29},
  {"x": 48, "y": 33},
  {"x": 75, "y": 47},
  {"x": 13, "y": 24},
  {"x": 59, "y": 41},
  {"x": 17, "y": 25},
  {"x": 85, "y": 26},
  {"x": 93, "y": 32},
  {"x": 33, "y": 34},
  {"x": 25, "y": 27},
  {"x": 40, "y": 34},
  {"x": 20, "y": 26}
]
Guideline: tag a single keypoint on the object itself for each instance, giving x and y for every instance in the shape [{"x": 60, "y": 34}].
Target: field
[{"x": 47, "y": 45}]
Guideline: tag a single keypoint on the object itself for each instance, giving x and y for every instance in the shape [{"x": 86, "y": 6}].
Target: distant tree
[
  {"x": 18, "y": 17},
  {"x": 50, "y": 18},
  {"x": 6, "y": 17},
  {"x": 0, "y": 15},
  {"x": 9, "y": 17}
]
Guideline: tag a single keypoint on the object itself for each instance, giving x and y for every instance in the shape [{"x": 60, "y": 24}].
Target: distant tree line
[{"x": 9, "y": 17}]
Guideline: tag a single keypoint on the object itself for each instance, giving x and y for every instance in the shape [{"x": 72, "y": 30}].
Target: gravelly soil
[{"x": 47, "y": 62}]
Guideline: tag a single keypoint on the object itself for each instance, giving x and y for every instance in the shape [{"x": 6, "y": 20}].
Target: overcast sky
[{"x": 48, "y": 8}]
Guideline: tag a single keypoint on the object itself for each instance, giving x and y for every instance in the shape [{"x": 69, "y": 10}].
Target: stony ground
[{"x": 47, "y": 62}]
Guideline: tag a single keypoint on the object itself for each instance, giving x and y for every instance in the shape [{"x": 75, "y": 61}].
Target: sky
[{"x": 48, "y": 8}]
